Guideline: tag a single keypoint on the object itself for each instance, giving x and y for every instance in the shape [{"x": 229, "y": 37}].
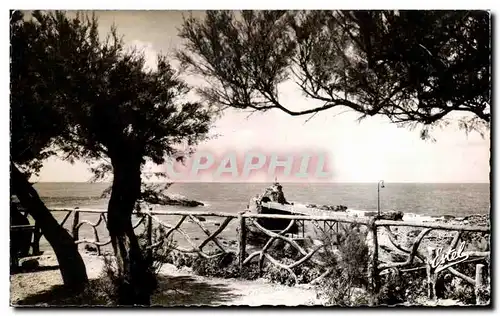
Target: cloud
[{"x": 150, "y": 54}]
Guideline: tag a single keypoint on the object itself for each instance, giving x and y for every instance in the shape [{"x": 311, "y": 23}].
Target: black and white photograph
[{"x": 255, "y": 158}]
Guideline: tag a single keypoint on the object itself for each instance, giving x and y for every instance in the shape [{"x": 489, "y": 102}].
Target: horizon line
[{"x": 301, "y": 182}]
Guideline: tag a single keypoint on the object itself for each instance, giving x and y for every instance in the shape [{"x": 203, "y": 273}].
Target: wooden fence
[{"x": 219, "y": 237}]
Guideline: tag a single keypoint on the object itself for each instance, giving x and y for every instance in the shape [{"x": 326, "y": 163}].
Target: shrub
[
  {"x": 109, "y": 282},
  {"x": 161, "y": 247},
  {"x": 307, "y": 273},
  {"x": 107, "y": 287},
  {"x": 227, "y": 266},
  {"x": 460, "y": 290},
  {"x": 224, "y": 265},
  {"x": 411, "y": 287},
  {"x": 278, "y": 275},
  {"x": 399, "y": 287}
]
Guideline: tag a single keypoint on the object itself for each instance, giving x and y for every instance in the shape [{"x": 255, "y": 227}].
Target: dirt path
[
  {"x": 177, "y": 287},
  {"x": 243, "y": 292}
]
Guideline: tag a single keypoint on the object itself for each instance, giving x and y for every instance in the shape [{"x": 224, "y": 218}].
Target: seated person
[{"x": 20, "y": 240}]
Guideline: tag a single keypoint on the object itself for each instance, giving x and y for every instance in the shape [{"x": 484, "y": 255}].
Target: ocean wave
[
  {"x": 406, "y": 215},
  {"x": 83, "y": 209}
]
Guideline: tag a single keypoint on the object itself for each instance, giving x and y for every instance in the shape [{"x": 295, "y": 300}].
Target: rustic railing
[
  {"x": 381, "y": 240},
  {"x": 436, "y": 257},
  {"x": 150, "y": 218},
  {"x": 31, "y": 249},
  {"x": 422, "y": 254}
]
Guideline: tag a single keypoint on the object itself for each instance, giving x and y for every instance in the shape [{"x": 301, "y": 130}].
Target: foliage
[
  {"x": 180, "y": 259},
  {"x": 278, "y": 275},
  {"x": 458, "y": 289},
  {"x": 283, "y": 250},
  {"x": 110, "y": 280},
  {"x": 307, "y": 273},
  {"x": 411, "y": 287},
  {"x": 110, "y": 108},
  {"x": 30, "y": 99},
  {"x": 217, "y": 267},
  {"x": 397, "y": 288},
  {"x": 415, "y": 67},
  {"x": 346, "y": 253},
  {"x": 96, "y": 96},
  {"x": 160, "y": 248},
  {"x": 222, "y": 266},
  {"x": 350, "y": 269}
]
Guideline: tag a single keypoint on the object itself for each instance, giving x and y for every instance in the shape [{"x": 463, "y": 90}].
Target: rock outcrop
[
  {"x": 163, "y": 199},
  {"x": 274, "y": 193},
  {"x": 387, "y": 215}
]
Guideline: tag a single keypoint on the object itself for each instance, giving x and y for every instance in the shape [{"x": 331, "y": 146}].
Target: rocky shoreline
[
  {"x": 274, "y": 193},
  {"x": 171, "y": 200},
  {"x": 402, "y": 235}
]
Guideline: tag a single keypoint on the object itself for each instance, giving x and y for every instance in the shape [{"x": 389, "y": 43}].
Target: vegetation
[
  {"x": 110, "y": 107},
  {"x": 100, "y": 103},
  {"x": 417, "y": 68},
  {"x": 346, "y": 253},
  {"x": 105, "y": 290},
  {"x": 33, "y": 97},
  {"x": 155, "y": 253},
  {"x": 400, "y": 288}
]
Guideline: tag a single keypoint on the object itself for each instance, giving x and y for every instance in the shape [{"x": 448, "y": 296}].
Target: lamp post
[{"x": 379, "y": 185}]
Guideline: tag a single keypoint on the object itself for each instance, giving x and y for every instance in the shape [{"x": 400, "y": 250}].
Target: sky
[{"x": 366, "y": 151}]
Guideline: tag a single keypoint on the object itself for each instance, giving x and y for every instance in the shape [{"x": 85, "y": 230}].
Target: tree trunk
[
  {"x": 136, "y": 282},
  {"x": 70, "y": 261}
]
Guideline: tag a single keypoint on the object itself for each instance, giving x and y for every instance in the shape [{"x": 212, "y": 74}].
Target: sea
[{"x": 432, "y": 199}]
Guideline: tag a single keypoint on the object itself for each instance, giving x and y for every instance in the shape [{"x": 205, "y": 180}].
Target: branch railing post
[
  {"x": 242, "y": 240},
  {"x": 76, "y": 219},
  {"x": 479, "y": 285},
  {"x": 431, "y": 274},
  {"x": 373, "y": 276}
]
